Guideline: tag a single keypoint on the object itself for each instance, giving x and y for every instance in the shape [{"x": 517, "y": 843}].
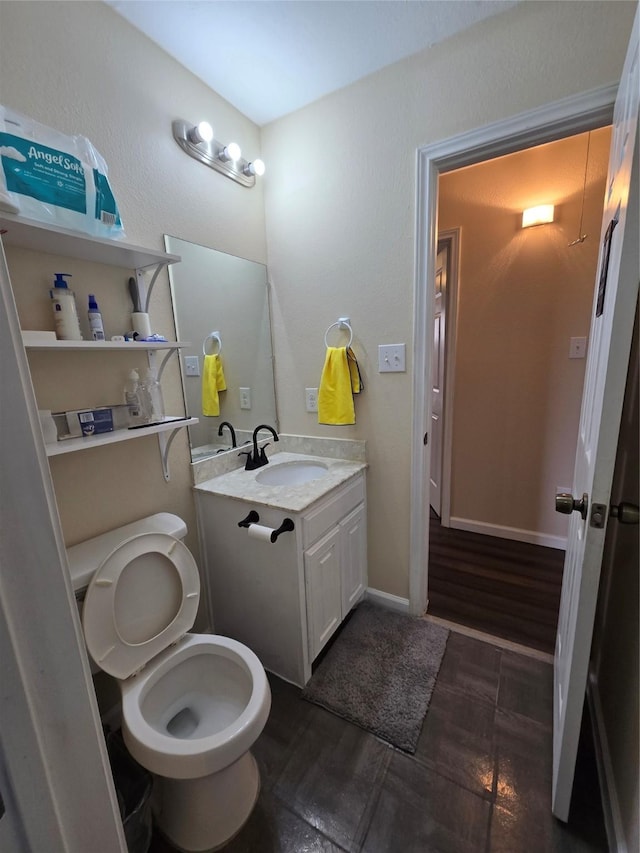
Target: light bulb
[
  {"x": 539, "y": 215},
  {"x": 202, "y": 132},
  {"x": 231, "y": 151},
  {"x": 256, "y": 167}
]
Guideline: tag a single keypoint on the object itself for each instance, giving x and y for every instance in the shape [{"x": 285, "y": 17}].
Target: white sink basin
[{"x": 291, "y": 473}]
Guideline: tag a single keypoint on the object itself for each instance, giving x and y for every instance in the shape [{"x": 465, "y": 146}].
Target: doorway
[
  {"x": 555, "y": 121},
  {"x": 523, "y": 299}
]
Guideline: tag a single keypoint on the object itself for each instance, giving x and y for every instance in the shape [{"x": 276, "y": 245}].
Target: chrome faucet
[
  {"x": 257, "y": 458},
  {"x": 231, "y": 430}
]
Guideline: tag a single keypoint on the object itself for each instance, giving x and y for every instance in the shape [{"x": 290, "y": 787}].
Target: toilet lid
[{"x": 143, "y": 597}]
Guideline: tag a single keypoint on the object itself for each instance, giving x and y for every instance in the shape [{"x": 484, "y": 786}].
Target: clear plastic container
[{"x": 151, "y": 397}]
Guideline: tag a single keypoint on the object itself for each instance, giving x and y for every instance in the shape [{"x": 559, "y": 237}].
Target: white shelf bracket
[
  {"x": 145, "y": 290},
  {"x": 164, "y": 441}
]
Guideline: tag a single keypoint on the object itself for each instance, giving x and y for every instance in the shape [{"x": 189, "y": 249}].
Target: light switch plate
[
  {"x": 391, "y": 358},
  {"x": 577, "y": 348},
  {"x": 192, "y": 365}
]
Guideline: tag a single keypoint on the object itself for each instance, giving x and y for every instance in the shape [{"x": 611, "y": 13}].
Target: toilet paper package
[{"x": 53, "y": 178}]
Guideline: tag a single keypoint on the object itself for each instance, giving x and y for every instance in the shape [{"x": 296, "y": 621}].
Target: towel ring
[
  {"x": 212, "y": 336},
  {"x": 343, "y": 323}
]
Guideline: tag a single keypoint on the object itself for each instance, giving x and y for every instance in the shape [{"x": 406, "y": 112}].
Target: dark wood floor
[
  {"x": 479, "y": 781},
  {"x": 505, "y": 588}
]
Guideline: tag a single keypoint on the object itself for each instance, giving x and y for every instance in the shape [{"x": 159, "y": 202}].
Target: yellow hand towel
[
  {"x": 339, "y": 381},
  {"x": 212, "y": 381}
]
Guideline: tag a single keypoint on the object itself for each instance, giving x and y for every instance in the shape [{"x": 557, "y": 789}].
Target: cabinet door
[
  {"x": 322, "y": 579},
  {"x": 353, "y": 538}
]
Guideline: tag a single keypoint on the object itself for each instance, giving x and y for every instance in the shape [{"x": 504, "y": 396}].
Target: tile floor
[{"x": 479, "y": 782}]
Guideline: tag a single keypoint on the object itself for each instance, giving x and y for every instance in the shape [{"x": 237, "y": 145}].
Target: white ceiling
[{"x": 271, "y": 57}]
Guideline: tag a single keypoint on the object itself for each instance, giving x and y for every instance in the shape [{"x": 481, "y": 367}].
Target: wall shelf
[
  {"x": 108, "y": 346},
  {"x": 72, "y": 445},
  {"x": 44, "y": 237}
]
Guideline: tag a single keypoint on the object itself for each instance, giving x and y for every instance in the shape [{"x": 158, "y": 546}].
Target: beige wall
[
  {"x": 339, "y": 201},
  {"x": 523, "y": 293},
  {"x": 80, "y": 68},
  {"x": 340, "y": 215}
]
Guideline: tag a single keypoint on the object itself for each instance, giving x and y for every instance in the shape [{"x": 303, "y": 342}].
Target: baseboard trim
[
  {"x": 385, "y": 599},
  {"x": 515, "y": 533},
  {"x": 610, "y": 806}
]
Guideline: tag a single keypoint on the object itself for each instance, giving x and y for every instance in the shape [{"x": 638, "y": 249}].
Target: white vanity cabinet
[
  {"x": 335, "y": 566},
  {"x": 285, "y": 600}
]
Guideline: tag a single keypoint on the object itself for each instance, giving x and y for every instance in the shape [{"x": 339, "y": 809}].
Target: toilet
[{"x": 192, "y": 704}]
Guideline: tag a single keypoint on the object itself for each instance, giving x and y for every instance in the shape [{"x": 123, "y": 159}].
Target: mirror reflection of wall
[{"x": 213, "y": 291}]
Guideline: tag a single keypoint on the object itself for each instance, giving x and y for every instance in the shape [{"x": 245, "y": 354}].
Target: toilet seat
[{"x": 143, "y": 597}]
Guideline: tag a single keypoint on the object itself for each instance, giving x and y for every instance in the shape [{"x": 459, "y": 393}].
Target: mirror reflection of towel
[
  {"x": 212, "y": 381},
  {"x": 340, "y": 380}
]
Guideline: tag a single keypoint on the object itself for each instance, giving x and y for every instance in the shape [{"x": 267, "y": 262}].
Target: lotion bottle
[
  {"x": 95, "y": 320},
  {"x": 65, "y": 312}
]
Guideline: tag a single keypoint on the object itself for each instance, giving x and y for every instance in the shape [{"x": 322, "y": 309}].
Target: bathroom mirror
[{"x": 216, "y": 292}]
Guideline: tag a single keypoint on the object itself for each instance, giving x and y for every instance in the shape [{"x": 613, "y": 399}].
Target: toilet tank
[{"x": 85, "y": 557}]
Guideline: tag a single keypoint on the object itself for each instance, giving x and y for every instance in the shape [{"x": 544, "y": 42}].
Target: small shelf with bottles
[
  {"x": 71, "y": 445},
  {"x": 165, "y": 429},
  {"x": 45, "y": 237}
]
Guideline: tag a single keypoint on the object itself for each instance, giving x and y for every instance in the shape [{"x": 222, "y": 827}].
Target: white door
[
  {"x": 609, "y": 344},
  {"x": 437, "y": 378}
]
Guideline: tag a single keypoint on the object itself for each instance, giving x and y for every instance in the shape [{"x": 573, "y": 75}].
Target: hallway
[{"x": 498, "y": 586}]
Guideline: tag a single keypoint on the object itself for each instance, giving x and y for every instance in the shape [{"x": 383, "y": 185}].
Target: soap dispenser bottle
[{"x": 65, "y": 312}]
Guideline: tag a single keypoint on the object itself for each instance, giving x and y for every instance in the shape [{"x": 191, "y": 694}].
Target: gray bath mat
[{"x": 380, "y": 673}]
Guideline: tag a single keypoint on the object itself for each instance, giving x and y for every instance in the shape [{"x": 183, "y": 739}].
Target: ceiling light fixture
[
  {"x": 540, "y": 215},
  {"x": 198, "y": 142}
]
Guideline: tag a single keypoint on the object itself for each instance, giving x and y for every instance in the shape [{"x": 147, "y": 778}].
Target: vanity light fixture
[
  {"x": 540, "y": 215},
  {"x": 198, "y": 142}
]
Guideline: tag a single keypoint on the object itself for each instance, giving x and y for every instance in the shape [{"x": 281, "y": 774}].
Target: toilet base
[{"x": 201, "y": 815}]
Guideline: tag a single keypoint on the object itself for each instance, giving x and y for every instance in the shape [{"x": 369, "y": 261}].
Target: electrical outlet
[
  {"x": 311, "y": 399},
  {"x": 192, "y": 365},
  {"x": 245, "y": 398}
]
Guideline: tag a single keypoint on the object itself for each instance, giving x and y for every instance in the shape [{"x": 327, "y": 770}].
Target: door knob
[
  {"x": 567, "y": 504},
  {"x": 626, "y": 513}
]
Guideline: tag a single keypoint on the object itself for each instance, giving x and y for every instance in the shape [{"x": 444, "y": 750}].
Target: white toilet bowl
[{"x": 192, "y": 704}]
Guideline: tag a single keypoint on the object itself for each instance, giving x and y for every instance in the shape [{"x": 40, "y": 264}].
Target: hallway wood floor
[{"x": 504, "y": 588}]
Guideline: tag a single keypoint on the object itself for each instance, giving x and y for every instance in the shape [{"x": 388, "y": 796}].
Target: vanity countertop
[{"x": 242, "y": 485}]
